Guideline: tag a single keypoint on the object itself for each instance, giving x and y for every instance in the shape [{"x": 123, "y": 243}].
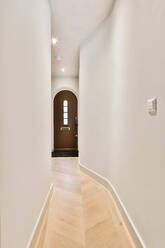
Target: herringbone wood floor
[{"x": 81, "y": 213}]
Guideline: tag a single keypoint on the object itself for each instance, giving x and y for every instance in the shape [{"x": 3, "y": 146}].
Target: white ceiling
[{"x": 72, "y": 22}]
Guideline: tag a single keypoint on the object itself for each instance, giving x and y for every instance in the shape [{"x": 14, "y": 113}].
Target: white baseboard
[
  {"x": 130, "y": 226},
  {"x": 37, "y": 228}
]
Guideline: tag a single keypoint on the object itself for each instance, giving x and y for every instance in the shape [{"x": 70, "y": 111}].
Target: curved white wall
[
  {"x": 59, "y": 84},
  {"x": 65, "y": 83},
  {"x": 121, "y": 66},
  {"x": 25, "y": 116}
]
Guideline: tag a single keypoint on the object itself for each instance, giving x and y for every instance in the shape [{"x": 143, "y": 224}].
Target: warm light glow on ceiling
[{"x": 54, "y": 41}]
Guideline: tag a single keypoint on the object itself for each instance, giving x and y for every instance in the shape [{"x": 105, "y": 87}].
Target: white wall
[
  {"x": 25, "y": 116},
  {"x": 64, "y": 83},
  {"x": 59, "y": 84},
  {"x": 122, "y": 65}
]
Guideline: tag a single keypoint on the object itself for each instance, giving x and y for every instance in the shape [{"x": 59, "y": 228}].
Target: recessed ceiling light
[
  {"x": 58, "y": 57},
  {"x": 54, "y": 41},
  {"x": 63, "y": 69}
]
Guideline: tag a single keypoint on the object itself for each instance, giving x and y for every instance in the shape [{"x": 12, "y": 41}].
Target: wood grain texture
[
  {"x": 65, "y": 135},
  {"x": 81, "y": 212}
]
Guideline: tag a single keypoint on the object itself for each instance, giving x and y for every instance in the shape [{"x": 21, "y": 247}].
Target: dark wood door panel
[{"x": 65, "y": 135}]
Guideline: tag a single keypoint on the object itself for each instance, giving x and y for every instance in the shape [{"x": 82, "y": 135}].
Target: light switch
[{"x": 152, "y": 106}]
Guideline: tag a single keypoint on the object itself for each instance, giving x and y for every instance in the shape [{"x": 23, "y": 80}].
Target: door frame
[{"x": 54, "y": 93}]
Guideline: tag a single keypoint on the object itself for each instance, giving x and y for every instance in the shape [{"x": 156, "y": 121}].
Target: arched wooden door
[{"x": 65, "y": 124}]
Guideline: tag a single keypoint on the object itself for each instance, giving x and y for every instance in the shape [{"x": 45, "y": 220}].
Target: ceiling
[{"x": 72, "y": 22}]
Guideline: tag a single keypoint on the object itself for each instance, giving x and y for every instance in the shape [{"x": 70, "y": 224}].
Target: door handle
[{"x": 65, "y": 129}]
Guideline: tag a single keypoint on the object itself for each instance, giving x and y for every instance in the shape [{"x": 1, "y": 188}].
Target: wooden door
[{"x": 65, "y": 121}]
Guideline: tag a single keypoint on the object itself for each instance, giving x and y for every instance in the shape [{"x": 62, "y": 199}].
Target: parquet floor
[{"x": 81, "y": 213}]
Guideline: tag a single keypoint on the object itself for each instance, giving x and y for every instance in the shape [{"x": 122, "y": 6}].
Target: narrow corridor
[
  {"x": 82, "y": 124},
  {"x": 81, "y": 213}
]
